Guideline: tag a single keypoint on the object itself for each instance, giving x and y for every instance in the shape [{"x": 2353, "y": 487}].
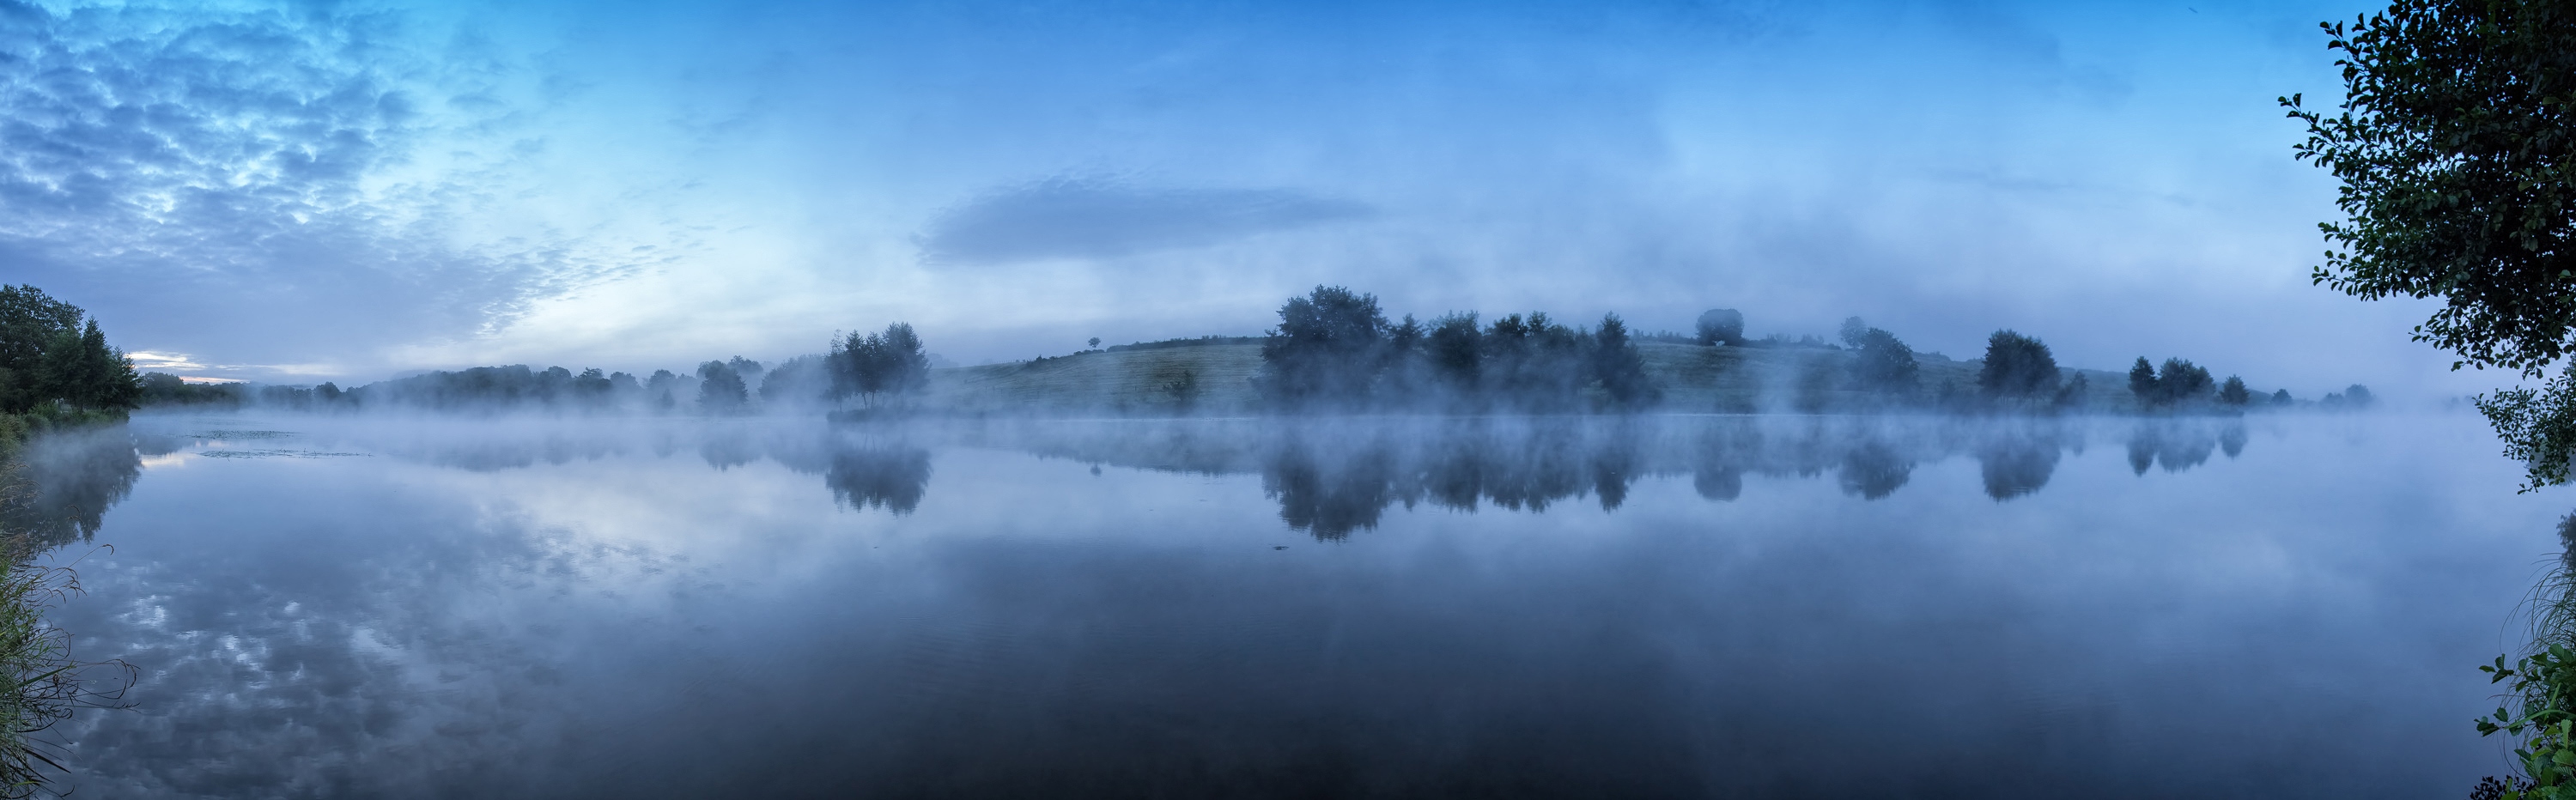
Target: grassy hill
[
  {"x": 1217, "y": 379},
  {"x": 1213, "y": 379}
]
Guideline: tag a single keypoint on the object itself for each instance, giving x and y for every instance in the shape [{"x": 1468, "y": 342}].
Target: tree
[
  {"x": 1853, "y": 331},
  {"x": 878, "y": 367},
  {"x": 1400, "y": 368},
  {"x": 2177, "y": 382},
  {"x": 2453, "y": 148},
  {"x": 1721, "y": 326},
  {"x": 1455, "y": 350},
  {"x": 88, "y": 373},
  {"x": 1532, "y": 363},
  {"x": 591, "y": 387},
  {"x": 797, "y": 380},
  {"x": 2071, "y": 394},
  {"x": 2017, "y": 366},
  {"x": 1326, "y": 349},
  {"x": 1884, "y": 364},
  {"x": 1617, "y": 366},
  {"x": 2183, "y": 381},
  {"x": 660, "y": 387},
  {"x": 720, "y": 389},
  {"x": 30, "y": 322},
  {"x": 2233, "y": 392},
  {"x": 48, "y": 353}
]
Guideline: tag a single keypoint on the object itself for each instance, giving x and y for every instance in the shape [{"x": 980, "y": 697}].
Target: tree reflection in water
[
  {"x": 891, "y": 478},
  {"x": 2180, "y": 443},
  {"x": 1333, "y": 477},
  {"x": 71, "y": 478},
  {"x": 2019, "y": 462}
]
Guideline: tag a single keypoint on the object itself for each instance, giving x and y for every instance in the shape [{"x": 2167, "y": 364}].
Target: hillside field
[{"x": 1217, "y": 379}]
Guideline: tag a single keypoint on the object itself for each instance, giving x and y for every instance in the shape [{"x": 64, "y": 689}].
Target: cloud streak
[{"x": 1088, "y": 218}]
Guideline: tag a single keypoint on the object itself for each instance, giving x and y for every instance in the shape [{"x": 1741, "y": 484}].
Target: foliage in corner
[
  {"x": 2541, "y": 712},
  {"x": 2453, "y": 147}
]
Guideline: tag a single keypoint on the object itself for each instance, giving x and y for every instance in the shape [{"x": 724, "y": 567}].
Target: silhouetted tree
[
  {"x": 2457, "y": 157},
  {"x": 2017, "y": 366},
  {"x": 879, "y": 367},
  {"x": 2072, "y": 394},
  {"x": 2177, "y": 382},
  {"x": 1533, "y": 363},
  {"x": 2180, "y": 381},
  {"x": 48, "y": 354},
  {"x": 590, "y": 388},
  {"x": 162, "y": 388},
  {"x": 1721, "y": 326},
  {"x": 1618, "y": 367},
  {"x": 1455, "y": 350},
  {"x": 84, "y": 371},
  {"x": 30, "y": 324},
  {"x": 720, "y": 389},
  {"x": 2142, "y": 381},
  {"x": 2233, "y": 392},
  {"x": 797, "y": 380},
  {"x": 1884, "y": 364},
  {"x": 1327, "y": 349},
  {"x": 1853, "y": 331}
]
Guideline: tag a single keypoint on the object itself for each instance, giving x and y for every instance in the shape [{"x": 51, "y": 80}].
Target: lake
[{"x": 2274, "y": 607}]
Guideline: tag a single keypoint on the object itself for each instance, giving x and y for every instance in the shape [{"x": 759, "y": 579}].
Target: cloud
[
  {"x": 144, "y": 359},
  {"x": 1096, "y": 218},
  {"x": 229, "y": 179}
]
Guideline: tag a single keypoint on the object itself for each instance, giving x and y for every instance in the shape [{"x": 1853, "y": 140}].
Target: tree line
[
  {"x": 55, "y": 362},
  {"x": 1335, "y": 349},
  {"x": 877, "y": 370}
]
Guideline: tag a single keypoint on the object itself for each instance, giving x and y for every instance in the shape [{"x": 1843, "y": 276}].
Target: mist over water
[{"x": 1508, "y": 606}]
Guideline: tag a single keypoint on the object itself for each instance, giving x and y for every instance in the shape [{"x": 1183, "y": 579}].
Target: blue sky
[{"x": 349, "y": 191}]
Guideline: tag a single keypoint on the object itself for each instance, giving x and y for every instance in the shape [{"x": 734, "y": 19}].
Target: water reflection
[
  {"x": 1331, "y": 478},
  {"x": 2181, "y": 444},
  {"x": 71, "y": 480},
  {"x": 2016, "y": 463},
  {"x": 678, "y": 610},
  {"x": 887, "y": 477}
]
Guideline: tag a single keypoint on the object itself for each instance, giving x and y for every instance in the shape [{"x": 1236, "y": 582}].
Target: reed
[{"x": 43, "y": 683}]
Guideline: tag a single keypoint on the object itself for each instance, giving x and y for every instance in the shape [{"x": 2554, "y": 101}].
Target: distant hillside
[
  {"x": 1217, "y": 379},
  {"x": 1213, "y": 378},
  {"x": 1746, "y": 379}
]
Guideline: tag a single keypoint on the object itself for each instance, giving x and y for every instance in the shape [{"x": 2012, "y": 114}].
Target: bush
[
  {"x": 2017, "y": 366},
  {"x": 1721, "y": 326}
]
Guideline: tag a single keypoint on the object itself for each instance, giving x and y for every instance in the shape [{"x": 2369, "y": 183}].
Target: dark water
[{"x": 2283, "y": 607}]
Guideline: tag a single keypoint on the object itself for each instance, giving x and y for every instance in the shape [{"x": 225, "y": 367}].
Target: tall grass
[
  {"x": 2539, "y": 706},
  {"x": 40, "y": 683}
]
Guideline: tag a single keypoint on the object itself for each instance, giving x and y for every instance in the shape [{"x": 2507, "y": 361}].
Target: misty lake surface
[{"x": 326, "y": 606}]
